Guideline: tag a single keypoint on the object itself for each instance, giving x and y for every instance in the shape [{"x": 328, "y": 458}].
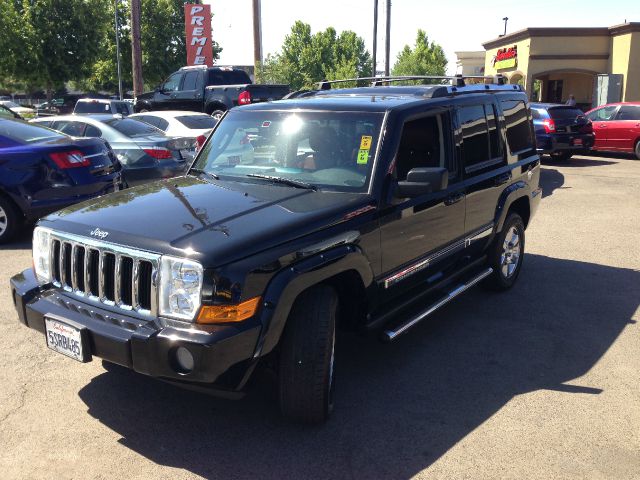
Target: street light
[{"x": 505, "y": 25}]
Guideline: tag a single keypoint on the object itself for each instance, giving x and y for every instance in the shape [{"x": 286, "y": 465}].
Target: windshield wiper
[
  {"x": 286, "y": 181},
  {"x": 208, "y": 174}
]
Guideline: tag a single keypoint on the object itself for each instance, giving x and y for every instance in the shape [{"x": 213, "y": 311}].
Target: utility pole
[
  {"x": 505, "y": 25},
  {"x": 118, "y": 49},
  {"x": 375, "y": 35},
  {"x": 257, "y": 39},
  {"x": 387, "y": 47},
  {"x": 136, "y": 49}
]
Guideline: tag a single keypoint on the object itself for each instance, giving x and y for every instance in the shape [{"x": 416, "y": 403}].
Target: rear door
[
  {"x": 189, "y": 96},
  {"x": 601, "y": 119},
  {"x": 484, "y": 161},
  {"x": 624, "y": 129}
]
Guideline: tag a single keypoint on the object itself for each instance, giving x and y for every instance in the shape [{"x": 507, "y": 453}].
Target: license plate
[
  {"x": 66, "y": 339},
  {"x": 577, "y": 141}
]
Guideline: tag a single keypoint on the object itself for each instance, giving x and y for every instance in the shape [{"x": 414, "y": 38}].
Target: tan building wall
[{"x": 573, "y": 55}]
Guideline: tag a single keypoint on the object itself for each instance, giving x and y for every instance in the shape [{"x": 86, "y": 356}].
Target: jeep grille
[{"x": 105, "y": 273}]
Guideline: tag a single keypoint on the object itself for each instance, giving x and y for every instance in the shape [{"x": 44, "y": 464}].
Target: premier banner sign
[{"x": 197, "y": 21}]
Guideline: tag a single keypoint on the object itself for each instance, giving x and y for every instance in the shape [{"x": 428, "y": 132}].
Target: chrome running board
[{"x": 391, "y": 334}]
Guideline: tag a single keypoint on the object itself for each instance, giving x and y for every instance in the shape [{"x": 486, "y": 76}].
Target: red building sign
[
  {"x": 197, "y": 21},
  {"x": 506, "y": 58}
]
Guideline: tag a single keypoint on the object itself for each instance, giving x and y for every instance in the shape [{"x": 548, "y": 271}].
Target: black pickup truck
[
  {"x": 366, "y": 208},
  {"x": 212, "y": 90}
]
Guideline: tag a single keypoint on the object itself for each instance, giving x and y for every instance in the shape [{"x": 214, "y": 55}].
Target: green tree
[
  {"x": 426, "y": 58},
  {"x": 55, "y": 41},
  {"x": 308, "y": 58}
]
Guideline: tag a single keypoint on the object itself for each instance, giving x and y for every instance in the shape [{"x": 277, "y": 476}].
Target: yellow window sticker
[
  {"x": 365, "y": 142},
  {"x": 363, "y": 156}
]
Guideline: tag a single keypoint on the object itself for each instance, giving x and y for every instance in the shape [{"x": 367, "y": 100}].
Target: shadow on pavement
[
  {"x": 577, "y": 162},
  {"x": 550, "y": 179},
  {"x": 401, "y": 406},
  {"x": 21, "y": 241}
]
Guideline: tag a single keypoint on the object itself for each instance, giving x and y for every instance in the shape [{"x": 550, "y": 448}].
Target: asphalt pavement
[{"x": 540, "y": 382}]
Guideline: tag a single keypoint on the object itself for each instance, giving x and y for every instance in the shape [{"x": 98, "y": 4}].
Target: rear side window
[
  {"x": 565, "y": 113},
  {"x": 628, "y": 112},
  {"x": 518, "y": 123},
  {"x": 191, "y": 81},
  {"x": 92, "y": 131},
  {"x": 481, "y": 145},
  {"x": 197, "y": 121}
]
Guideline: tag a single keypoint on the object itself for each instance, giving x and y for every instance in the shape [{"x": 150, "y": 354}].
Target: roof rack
[{"x": 456, "y": 80}]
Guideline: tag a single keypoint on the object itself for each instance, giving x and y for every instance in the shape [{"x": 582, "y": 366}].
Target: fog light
[{"x": 184, "y": 359}]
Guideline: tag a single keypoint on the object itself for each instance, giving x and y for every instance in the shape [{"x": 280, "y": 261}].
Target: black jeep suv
[{"x": 364, "y": 208}]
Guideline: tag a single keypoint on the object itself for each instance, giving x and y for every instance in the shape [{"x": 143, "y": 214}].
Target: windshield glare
[{"x": 332, "y": 150}]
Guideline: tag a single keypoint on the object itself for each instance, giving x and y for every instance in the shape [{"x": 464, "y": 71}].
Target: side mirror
[{"x": 423, "y": 180}]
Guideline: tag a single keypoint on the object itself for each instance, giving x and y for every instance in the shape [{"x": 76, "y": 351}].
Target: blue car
[
  {"x": 42, "y": 171},
  {"x": 561, "y": 130}
]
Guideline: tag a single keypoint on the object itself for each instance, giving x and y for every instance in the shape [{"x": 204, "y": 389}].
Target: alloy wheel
[
  {"x": 3, "y": 221},
  {"x": 511, "y": 251}
]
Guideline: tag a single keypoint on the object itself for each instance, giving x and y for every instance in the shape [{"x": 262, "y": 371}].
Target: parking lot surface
[{"x": 538, "y": 382}]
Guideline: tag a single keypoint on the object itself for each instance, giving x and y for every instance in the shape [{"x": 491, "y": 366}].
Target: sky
[{"x": 459, "y": 25}]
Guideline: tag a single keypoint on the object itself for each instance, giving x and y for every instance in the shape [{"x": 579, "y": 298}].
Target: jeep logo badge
[{"x": 99, "y": 233}]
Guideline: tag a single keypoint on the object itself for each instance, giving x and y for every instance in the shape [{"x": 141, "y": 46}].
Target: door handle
[
  {"x": 455, "y": 198},
  {"x": 502, "y": 179}
]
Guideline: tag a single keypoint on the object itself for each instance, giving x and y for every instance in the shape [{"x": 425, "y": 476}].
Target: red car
[{"x": 617, "y": 127}]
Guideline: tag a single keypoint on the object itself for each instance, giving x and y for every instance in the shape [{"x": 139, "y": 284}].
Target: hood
[{"x": 213, "y": 221}]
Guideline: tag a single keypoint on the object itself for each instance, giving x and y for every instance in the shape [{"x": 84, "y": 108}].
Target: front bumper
[
  {"x": 564, "y": 142},
  {"x": 223, "y": 356}
]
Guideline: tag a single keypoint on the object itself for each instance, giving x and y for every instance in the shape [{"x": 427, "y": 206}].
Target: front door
[
  {"x": 165, "y": 97},
  {"x": 601, "y": 118},
  {"x": 416, "y": 233}
]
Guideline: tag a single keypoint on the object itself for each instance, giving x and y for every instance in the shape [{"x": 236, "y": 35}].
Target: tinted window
[
  {"x": 422, "y": 145},
  {"x": 133, "y": 128},
  {"x": 536, "y": 114},
  {"x": 602, "y": 114},
  {"x": 475, "y": 136},
  {"x": 190, "y": 81},
  {"x": 92, "y": 131},
  {"x": 565, "y": 113},
  {"x": 21, "y": 132},
  {"x": 518, "y": 125},
  {"x": 495, "y": 145},
  {"x": 197, "y": 121},
  {"x": 122, "y": 108},
  {"x": 92, "y": 107},
  {"x": 228, "y": 77},
  {"x": 628, "y": 112},
  {"x": 75, "y": 129},
  {"x": 173, "y": 82}
]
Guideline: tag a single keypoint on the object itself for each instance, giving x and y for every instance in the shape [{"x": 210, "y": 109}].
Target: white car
[
  {"x": 178, "y": 123},
  {"x": 24, "y": 111}
]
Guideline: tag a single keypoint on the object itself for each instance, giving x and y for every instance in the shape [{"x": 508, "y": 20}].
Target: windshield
[
  {"x": 133, "y": 128},
  {"x": 331, "y": 150},
  {"x": 197, "y": 122}
]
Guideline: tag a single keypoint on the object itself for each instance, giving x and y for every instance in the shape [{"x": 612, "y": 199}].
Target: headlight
[
  {"x": 180, "y": 287},
  {"x": 41, "y": 257}
]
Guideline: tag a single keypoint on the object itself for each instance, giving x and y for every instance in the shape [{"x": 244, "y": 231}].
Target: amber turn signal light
[{"x": 228, "y": 313}]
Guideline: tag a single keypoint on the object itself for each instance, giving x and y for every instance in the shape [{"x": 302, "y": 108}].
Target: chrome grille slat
[{"x": 124, "y": 277}]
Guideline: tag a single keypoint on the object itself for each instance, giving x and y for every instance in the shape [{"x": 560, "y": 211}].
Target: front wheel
[
  {"x": 9, "y": 220},
  {"x": 306, "y": 371},
  {"x": 637, "y": 149},
  {"x": 217, "y": 114},
  {"x": 506, "y": 254}
]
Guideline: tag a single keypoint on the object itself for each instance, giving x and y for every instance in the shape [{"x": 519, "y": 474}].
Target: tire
[
  {"x": 143, "y": 110},
  {"x": 306, "y": 367},
  {"x": 217, "y": 114},
  {"x": 506, "y": 255},
  {"x": 637, "y": 150},
  {"x": 561, "y": 156},
  {"x": 10, "y": 220}
]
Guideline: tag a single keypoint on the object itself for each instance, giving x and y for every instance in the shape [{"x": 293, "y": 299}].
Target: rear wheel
[
  {"x": 9, "y": 220},
  {"x": 506, "y": 254},
  {"x": 307, "y": 357}
]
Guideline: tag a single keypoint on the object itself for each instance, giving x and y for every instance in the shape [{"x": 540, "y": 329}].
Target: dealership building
[{"x": 595, "y": 65}]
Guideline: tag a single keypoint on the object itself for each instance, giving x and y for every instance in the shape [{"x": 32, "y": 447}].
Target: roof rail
[{"x": 456, "y": 80}]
